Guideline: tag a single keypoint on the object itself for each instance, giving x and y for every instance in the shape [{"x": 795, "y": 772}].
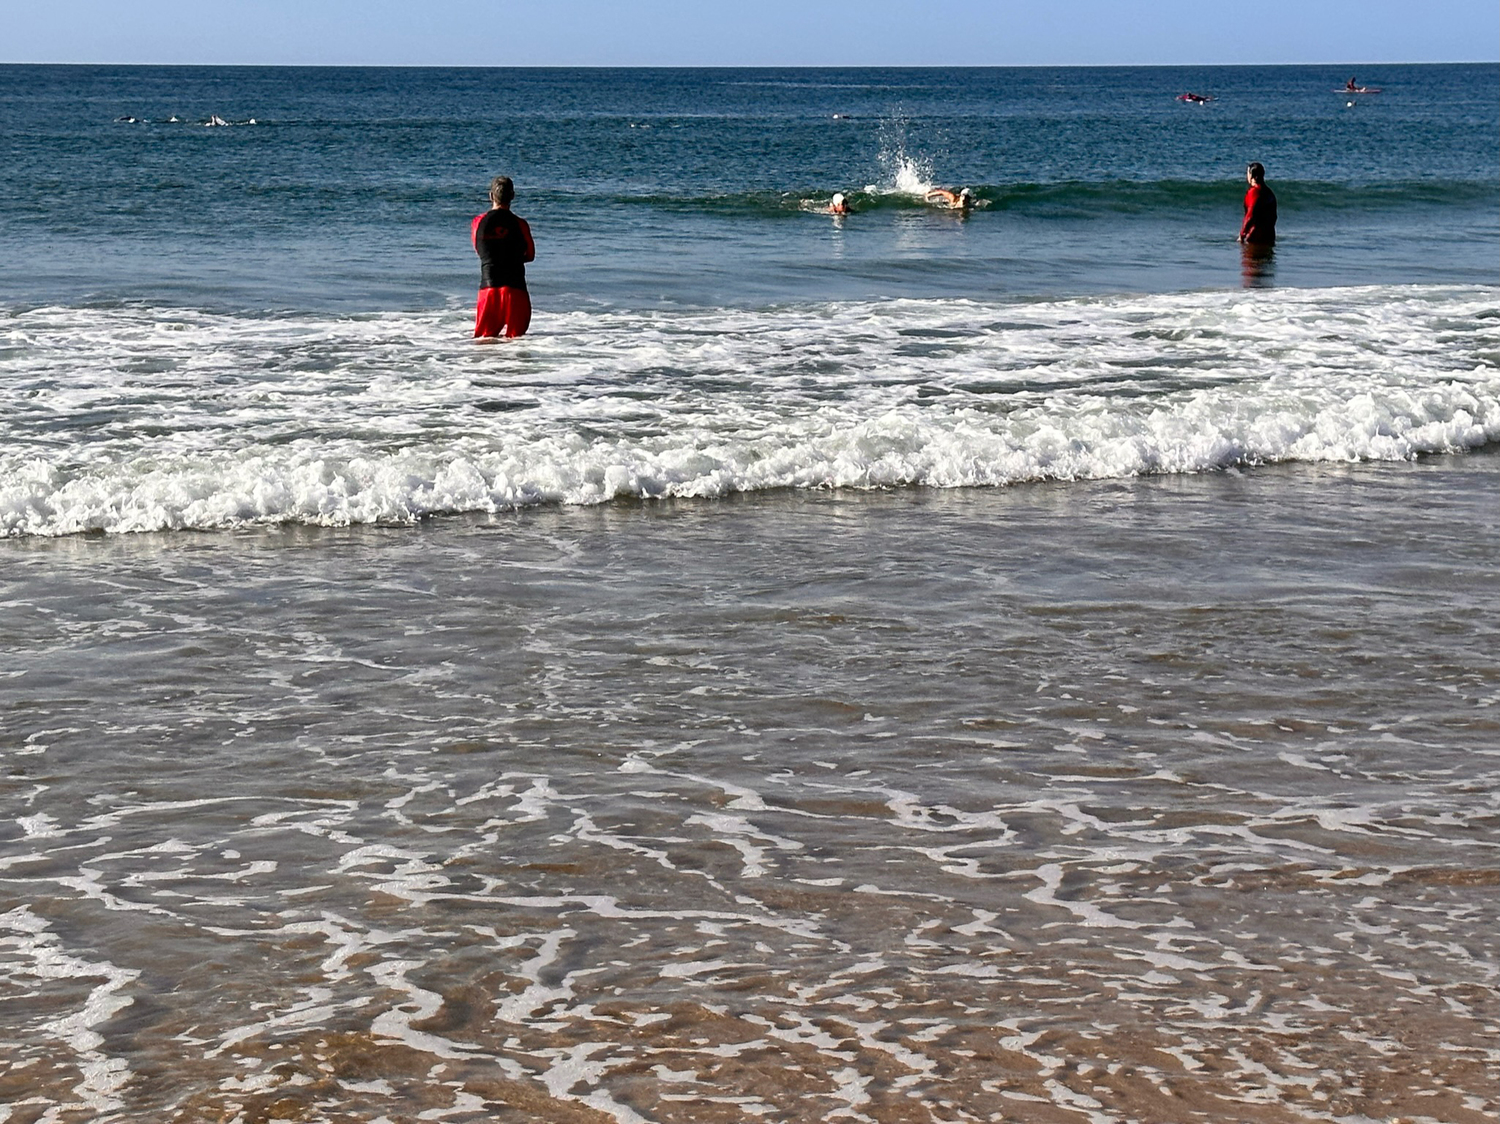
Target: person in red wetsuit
[
  {"x": 1259, "y": 227},
  {"x": 503, "y": 242}
]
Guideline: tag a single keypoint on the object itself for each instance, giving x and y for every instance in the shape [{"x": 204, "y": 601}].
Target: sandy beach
[{"x": 1167, "y": 798}]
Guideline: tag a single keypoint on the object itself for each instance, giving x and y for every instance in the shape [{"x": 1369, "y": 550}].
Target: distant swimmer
[
  {"x": 1196, "y": 99},
  {"x": 215, "y": 121},
  {"x": 961, "y": 200},
  {"x": 838, "y": 205},
  {"x": 503, "y": 242},
  {"x": 1259, "y": 227}
]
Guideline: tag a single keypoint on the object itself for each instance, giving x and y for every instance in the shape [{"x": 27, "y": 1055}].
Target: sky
[{"x": 756, "y": 33}]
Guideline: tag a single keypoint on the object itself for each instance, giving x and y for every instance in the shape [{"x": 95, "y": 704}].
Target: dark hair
[
  {"x": 1257, "y": 172},
  {"x": 502, "y": 190}
]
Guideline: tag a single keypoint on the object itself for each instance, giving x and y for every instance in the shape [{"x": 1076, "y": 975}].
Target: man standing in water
[
  {"x": 1258, "y": 231},
  {"x": 503, "y": 242},
  {"x": 1259, "y": 227}
]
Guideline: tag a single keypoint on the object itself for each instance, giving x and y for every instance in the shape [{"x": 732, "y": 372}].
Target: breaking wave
[{"x": 144, "y": 419}]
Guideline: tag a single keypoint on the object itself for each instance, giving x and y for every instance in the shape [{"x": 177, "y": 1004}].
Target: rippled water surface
[
  {"x": 1034, "y": 666},
  {"x": 1160, "y": 799},
  {"x": 352, "y": 188}
]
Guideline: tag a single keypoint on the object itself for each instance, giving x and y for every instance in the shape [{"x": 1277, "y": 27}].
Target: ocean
[{"x": 1038, "y": 664}]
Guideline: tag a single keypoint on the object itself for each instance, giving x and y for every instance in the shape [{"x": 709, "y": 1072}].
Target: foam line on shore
[{"x": 134, "y": 419}]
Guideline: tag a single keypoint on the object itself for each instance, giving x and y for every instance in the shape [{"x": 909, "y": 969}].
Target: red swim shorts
[{"x": 502, "y": 312}]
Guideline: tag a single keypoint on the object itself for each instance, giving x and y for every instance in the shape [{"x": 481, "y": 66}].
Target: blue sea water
[
  {"x": 265, "y": 320},
  {"x": 902, "y": 667},
  {"x": 687, "y": 187}
]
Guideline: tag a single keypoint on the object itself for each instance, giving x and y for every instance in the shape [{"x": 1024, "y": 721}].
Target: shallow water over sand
[{"x": 1164, "y": 798}]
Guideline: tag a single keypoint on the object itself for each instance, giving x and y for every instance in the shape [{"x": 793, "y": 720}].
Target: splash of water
[
  {"x": 911, "y": 176},
  {"x": 905, "y": 174}
]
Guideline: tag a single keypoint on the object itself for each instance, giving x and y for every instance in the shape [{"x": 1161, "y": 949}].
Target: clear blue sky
[{"x": 771, "y": 32}]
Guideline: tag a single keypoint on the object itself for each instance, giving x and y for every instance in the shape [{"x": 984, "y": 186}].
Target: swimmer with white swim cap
[
  {"x": 838, "y": 205},
  {"x": 962, "y": 200}
]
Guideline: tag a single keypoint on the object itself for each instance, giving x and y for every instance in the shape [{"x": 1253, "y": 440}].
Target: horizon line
[{"x": 758, "y": 66}]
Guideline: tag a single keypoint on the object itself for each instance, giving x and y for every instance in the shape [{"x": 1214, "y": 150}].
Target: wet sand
[{"x": 1160, "y": 799}]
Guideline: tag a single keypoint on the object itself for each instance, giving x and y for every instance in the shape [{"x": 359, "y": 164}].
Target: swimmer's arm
[
  {"x": 474, "y": 232},
  {"x": 530, "y": 245}
]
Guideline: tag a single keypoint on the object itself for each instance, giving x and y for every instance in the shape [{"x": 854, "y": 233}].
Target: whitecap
[{"x": 397, "y": 417}]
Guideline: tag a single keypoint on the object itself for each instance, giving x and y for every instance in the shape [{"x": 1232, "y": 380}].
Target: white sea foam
[
  {"x": 102, "y": 1075},
  {"x": 905, "y": 176},
  {"x": 137, "y": 420}
]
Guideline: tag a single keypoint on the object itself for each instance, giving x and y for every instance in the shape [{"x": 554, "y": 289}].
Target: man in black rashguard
[{"x": 503, "y": 242}]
